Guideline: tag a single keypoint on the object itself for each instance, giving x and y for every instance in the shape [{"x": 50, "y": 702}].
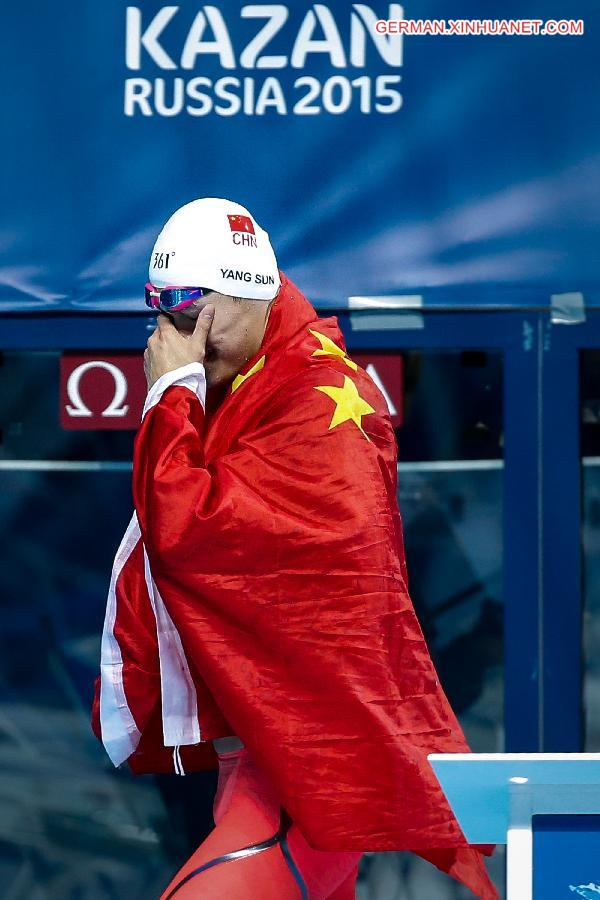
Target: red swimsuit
[{"x": 282, "y": 867}]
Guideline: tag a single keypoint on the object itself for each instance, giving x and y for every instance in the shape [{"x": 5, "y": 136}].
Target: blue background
[
  {"x": 489, "y": 174},
  {"x": 566, "y": 852}
]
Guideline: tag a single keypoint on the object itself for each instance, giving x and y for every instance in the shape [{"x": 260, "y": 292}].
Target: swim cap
[{"x": 217, "y": 244}]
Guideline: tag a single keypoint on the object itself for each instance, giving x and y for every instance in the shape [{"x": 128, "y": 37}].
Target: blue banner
[{"x": 378, "y": 162}]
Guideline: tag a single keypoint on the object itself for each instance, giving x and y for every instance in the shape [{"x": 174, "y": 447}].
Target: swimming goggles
[{"x": 171, "y": 298}]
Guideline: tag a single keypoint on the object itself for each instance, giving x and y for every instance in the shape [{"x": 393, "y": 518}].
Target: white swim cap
[{"x": 216, "y": 244}]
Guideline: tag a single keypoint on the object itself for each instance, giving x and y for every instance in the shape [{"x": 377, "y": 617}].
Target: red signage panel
[
  {"x": 102, "y": 391},
  {"x": 107, "y": 391}
]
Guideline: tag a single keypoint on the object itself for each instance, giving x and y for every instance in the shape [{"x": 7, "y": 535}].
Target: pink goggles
[{"x": 172, "y": 298}]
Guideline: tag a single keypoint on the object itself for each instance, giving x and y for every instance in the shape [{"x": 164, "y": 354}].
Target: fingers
[
  {"x": 147, "y": 366},
  {"x": 164, "y": 323},
  {"x": 164, "y": 326},
  {"x": 203, "y": 323}
]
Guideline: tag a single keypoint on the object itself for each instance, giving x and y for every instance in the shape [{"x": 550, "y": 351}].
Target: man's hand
[{"x": 169, "y": 349}]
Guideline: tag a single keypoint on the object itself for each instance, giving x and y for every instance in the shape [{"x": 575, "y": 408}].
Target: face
[{"x": 235, "y": 335}]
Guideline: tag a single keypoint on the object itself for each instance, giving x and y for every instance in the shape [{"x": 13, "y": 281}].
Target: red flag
[
  {"x": 272, "y": 565},
  {"x": 241, "y": 223}
]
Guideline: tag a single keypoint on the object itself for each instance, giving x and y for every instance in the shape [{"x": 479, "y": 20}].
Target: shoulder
[
  {"x": 331, "y": 394},
  {"x": 317, "y": 354}
]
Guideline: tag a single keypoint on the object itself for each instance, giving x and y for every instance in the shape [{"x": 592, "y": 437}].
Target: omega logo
[{"x": 115, "y": 408}]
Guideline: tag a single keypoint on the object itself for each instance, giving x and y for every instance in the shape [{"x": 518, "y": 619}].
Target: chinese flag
[
  {"x": 241, "y": 223},
  {"x": 261, "y": 590}
]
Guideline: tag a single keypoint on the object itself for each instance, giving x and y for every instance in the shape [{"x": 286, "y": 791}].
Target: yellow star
[
  {"x": 329, "y": 348},
  {"x": 240, "y": 379},
  {"x": 349, "y": 405}
]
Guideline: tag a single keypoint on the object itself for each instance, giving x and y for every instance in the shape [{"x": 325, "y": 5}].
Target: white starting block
[{"x": 544, "y": 806}]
